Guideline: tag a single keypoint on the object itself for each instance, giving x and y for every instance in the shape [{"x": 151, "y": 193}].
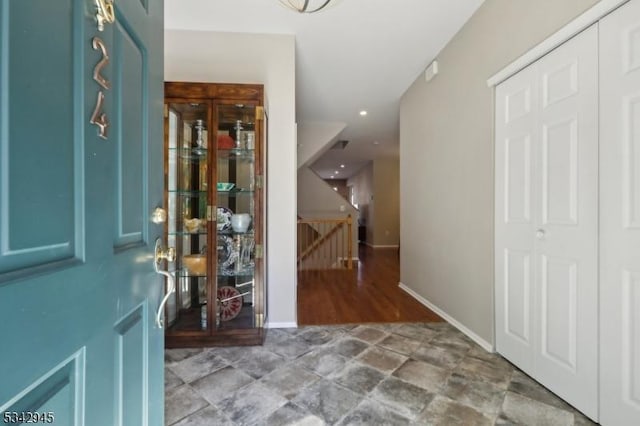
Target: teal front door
[{"x": 80, "y": 175}]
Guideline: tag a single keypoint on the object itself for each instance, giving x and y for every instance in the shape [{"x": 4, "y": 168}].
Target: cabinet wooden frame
[{"x": 213, "y": 96}]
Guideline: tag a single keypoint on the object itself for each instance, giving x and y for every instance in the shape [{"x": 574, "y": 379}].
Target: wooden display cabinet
[{"x": 214, "y": 180}]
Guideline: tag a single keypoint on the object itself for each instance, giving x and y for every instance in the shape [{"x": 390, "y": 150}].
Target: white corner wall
[
  {"x": 270, "y": 60},
  {"x": 446, "y": 159}
]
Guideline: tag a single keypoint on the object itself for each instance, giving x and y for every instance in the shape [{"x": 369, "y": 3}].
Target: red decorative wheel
[{"x": 230, "y": 302}]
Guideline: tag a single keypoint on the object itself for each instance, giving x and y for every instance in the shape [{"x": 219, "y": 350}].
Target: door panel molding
[
  {"x": 562, "y": 176},
  {"x": 631, "y": 337},
  {"x": 131, "y": 351},
  {"x": 631, "y": 164},
  {"x": 517, "y": 299},
  {"x": 552, "y": 84},
  {"x": 517, "y": 200},
  {"x": 54, "y": 192},
  {"x": 131, "y": 92},
  {"x": 60, "y": 391},
  {"x": 631, "y": 49},
  {"x": 559, "y": 331},
  {"x": 517, "y": 104}
]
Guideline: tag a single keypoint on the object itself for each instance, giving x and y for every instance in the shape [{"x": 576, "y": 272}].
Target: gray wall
[
  {"x": 446, "y": 158},
  {"x": 386, "y": 199}
]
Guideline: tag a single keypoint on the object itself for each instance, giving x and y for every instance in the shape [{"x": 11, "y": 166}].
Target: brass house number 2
[{"x": 104, "y": 14}]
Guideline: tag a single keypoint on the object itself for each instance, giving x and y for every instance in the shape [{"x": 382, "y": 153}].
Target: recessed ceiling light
[
  {"x": 376, "y": 143},
  {"x": 335, "y": 188},
  {"x": 342, "y": 166},
  {"x": 336, "y": 172},
  {"x": 363, "y": 113}
]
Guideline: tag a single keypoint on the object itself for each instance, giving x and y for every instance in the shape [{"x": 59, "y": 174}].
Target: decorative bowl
[
  {"x": 240, "y": 222},
  {"x": 225, "y": 186},
  {"x": 196, "y": 264},
  {"x": 193, "y": 225}
]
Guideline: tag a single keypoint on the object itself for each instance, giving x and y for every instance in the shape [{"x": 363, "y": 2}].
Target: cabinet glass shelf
[
  {"x": 188, "y": 193},
  {"x": 236, "y": 192},
  {"x": 183, "y": 273},
  {"x": 232, "y": 232},
  {"x": 193, "y": 154},
  {"x": 236, "y": 154},
  {"x": 233, "y": 273}
]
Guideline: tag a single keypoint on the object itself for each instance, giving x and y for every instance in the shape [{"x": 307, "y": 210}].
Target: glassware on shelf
[
  {"x": 239, "y": 129},
  {"x": 200, "y": 148},
  {"x": 250, "y": 140},
  {"x": 240, "y": 222},
  {"x": 246, "y": 252}
]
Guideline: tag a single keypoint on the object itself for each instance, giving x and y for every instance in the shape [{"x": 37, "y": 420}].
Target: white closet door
[
  {"x": 620, "y": 216},
  {"x": 516, "y": 134},
  {"x": 566, "y": 250},
  {"x": 547, "y": 220}
]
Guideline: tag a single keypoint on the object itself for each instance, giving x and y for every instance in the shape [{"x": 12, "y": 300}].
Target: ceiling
[{"x": 355, "y": 55}]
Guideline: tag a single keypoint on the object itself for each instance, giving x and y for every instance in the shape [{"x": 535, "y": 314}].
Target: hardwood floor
[{"x": 368, "y": 293}]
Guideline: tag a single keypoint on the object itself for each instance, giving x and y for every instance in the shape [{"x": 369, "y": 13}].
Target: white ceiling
[{"x": 355, "y": 55}]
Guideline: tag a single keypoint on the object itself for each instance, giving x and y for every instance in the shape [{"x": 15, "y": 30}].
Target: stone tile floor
[{"x": 370, "y": 374}]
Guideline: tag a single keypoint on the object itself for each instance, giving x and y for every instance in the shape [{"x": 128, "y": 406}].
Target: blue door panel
[
  {"x": 131, "y": 366},
  {"x": 131, "y": 96},
  {"x": 76, "y": 309},
  {"x": 56, "y": 393},
  {"x": 38, "y": 123}
]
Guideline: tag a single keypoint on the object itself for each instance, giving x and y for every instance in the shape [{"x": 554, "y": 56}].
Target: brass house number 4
[{"x": 104, "y": 14}]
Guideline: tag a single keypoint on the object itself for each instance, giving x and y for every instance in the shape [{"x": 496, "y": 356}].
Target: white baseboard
[
  {"x": 473, "y": 336},
  {"x": 281, "y": 325}
]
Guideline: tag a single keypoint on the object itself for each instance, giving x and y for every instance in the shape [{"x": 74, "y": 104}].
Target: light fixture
[
  {"x": 342, "y": 166},
  {"x": 363, "y": 113},
  {"x": 306, "y": 6},
  {"x": 336, "y": 172},
  {"x": 376, "y": 143}
]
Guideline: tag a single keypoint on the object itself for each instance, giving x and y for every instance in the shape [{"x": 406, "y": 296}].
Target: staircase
[
  {"x": 325, "y": 243},
  {"x": 325, "y": 232}
]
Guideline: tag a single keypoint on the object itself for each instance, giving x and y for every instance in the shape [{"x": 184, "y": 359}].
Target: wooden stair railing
[{"x": 325, "y": 243}]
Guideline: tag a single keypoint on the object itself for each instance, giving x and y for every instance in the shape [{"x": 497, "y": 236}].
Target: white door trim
[{"x": 591, "y": 16}]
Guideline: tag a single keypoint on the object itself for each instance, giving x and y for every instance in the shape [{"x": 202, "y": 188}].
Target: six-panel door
[
  {"x": 620, "y": 216},
  {"x": 77, "y": 289},
  {"x": 547, "y": 220}
]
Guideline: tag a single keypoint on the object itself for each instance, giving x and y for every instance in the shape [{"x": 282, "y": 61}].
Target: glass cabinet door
[
  {"x": 187, "y": 189},
  {"x": 236, "y": 215}
]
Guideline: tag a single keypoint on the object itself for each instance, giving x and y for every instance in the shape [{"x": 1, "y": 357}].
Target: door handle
[
  {"x": 540, "y": 234},
  {"x": 161, "y": 254}
]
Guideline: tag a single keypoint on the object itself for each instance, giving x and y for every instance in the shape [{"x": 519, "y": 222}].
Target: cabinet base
[{"x": 248, "y": 337}]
